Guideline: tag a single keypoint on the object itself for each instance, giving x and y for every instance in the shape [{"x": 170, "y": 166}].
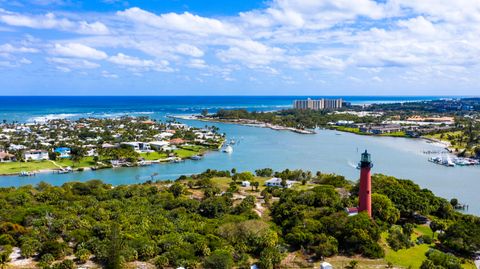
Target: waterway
[{"x": 327, "y": 151}]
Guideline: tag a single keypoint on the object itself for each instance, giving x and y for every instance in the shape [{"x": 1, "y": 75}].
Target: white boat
[
  {"x": 26, "y": 174},
  {"x": 196, "y": 157},
  {"x": 446, "y": 161},
  {"x": 228, "y": 149}
]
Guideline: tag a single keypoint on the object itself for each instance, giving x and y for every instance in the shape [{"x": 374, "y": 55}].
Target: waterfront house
[
  {"x": 138, "y": 146},
  {"x": 277, "y": 182},
  {"x": 159, "y": 144},
  {"x": 5, "y": 157},
  {"x": 35, "y": 155},
  {"x": 63, "y": 152},
  {"x": 381, "y": 129}
]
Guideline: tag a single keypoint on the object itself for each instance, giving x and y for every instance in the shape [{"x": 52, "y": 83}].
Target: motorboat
[{"x": 228, "y": 149}]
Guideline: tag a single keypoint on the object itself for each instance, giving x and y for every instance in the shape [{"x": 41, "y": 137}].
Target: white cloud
[
  {"x": 25, "y": 61},
  {"x": 78, "y": 51},
  {"x": 185, "y": 22},
  {"x": 342, "y": 37},
  {"x": 9, "y": 48},
  {"x": 189, "y": 50},
  {"x": 50, "y": 21},
  {"x": 107, "y": 74},
  {"x": 251, "y": 52},
  {"x": 197, "y": 63},
  {"x": 137, "y": 63},
  {"x": 72, "y": 63}
]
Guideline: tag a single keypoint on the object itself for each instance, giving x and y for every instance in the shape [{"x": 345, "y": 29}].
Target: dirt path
[
  {"x": 259, "y": 209},
  {"x": 56, "y": 164}
]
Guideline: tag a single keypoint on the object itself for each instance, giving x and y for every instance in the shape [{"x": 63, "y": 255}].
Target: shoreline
[
  {"x": 94, "y": 168},
  {"x": 251, "y": 123}
]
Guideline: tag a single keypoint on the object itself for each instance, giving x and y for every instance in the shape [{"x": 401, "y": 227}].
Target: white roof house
[
  {"x": 138, "y": 146},
  {"x": 163, "y": 135},
  {"x": 326, "y": 265},
  {"x": 36, "y": 155},
  {"x": 245, "y": 183},
  {"x": 277, "y": 182},
  {"x": 159, "y": 144}
]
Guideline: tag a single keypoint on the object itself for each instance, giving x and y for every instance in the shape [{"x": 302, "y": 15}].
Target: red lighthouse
[{"x": 365, "y": 192}]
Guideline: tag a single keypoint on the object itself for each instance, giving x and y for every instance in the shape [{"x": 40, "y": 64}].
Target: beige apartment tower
[{"x": 318, "y": 104}]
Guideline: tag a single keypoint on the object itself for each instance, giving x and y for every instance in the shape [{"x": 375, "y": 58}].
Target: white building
[
  {"x": 326, "y": 265},
  {"x": 163, "y": 135},
  {"x": 245, "y": 183},
  {"x": 159, "y": 144},
  {"x": 138, "y": 146},
  {"x": 35, "y": 155},
  {"x": 14, "y": 147},
  {"x": 277, "y": 182}
]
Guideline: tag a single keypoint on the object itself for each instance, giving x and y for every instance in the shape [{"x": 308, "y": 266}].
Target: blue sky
[{"x": 210, "y": 47}]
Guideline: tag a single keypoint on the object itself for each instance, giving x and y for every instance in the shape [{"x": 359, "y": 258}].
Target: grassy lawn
[
  {"x": 357, "y": 131},
  {"x": 411, "y": 257},
  {"x": 17, "y": 167},
  {"x": 84, "y": 162},
  {"x": 185, "y": 153},
  {"x": 223, "y": 183},
  {"x": 349, "y": 130},
  {"x": 395, "y": 134},
  {"x": 153, "y": 156},
  {"x": 444, "y": 136}
]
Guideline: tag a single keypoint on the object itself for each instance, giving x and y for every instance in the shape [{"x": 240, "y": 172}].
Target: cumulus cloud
[
  {"x": 51, "y": 21},
  {"x": 9, "y": 48},
  {"x": 135, "y": 62},
  {"x": 343, "y": 37},
  {"x": 185, "y": 22},
  {"x": 78, "y": 51},
  {"x": 68, "y": 63}
]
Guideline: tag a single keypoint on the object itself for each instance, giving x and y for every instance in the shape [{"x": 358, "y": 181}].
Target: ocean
[
  {"x": 41, "y": 108},
  {"x": 327, "y": 151}
]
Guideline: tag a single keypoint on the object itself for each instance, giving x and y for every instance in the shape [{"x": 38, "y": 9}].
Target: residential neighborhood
[{"x": 101, "y": 143}]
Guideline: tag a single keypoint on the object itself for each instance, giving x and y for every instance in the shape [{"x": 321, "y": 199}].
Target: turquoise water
[
  {"x": 326, "y": 151},
  {"x": 38, "y": 108}
]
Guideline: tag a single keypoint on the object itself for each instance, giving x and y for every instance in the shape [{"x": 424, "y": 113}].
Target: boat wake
[{"x": 352, "y": 164}]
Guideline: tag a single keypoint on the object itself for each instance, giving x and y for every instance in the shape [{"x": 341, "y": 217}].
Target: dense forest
[{"x": 196, "y": 223}]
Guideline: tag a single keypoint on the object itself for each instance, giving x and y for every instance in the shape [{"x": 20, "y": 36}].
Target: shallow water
[{"x": 327, "y": 151}]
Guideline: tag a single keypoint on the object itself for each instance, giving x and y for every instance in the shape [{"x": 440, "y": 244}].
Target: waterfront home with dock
[
  {"x": 63, "y": 152},
  {"x": 35, "y": 155}
]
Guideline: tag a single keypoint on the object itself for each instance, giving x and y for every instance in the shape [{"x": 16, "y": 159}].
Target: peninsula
[{"x": 95, "y": 143}]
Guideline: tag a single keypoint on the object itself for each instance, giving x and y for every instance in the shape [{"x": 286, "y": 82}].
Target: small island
[{"x": 63, "y": 146}]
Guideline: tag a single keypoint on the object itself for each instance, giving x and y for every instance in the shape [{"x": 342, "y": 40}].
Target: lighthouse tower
[{"x": 365, "y": 192}]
